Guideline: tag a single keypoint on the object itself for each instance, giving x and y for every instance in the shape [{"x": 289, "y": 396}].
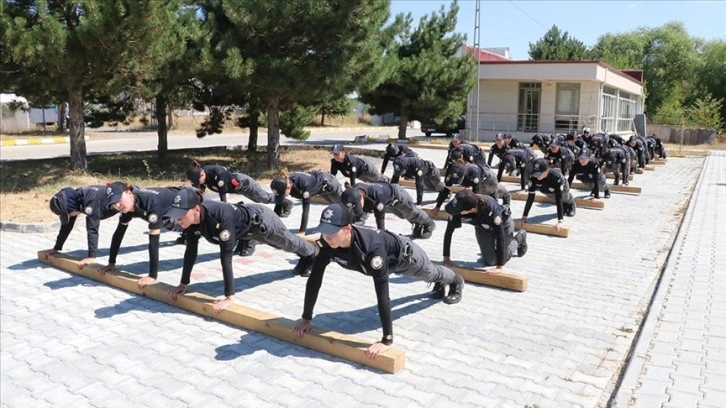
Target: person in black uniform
[
  {"x": 379, "y": 197},
  {"x": 217, "y": 178},
  {"x": 499, "y": 147},
  {"x": 554, "y": 185},
  {"x": 150, "y": 204},
  {"x": 521, "y": 159},
  {"x": 591, "y": 172},
  {"x": 637, "y": 145},
  {"x": 223, "y": 224},
  {"x": 512, "y": 141},
  {"x": 617, "y": 160},
  {"x": 660, "y": 150},
  {"x": 423, "y": 171},
  {"x": 469, "y": 152},
  {"x": 69, "y": 203},
  {"x": 353, "y": 167},
  {"x": 560, "y": 156},
  {"x": 575, "y": 143},
  {"x": 304, "y": 186},
  {"x": 493, "y": 227},
  {"x": 481, "y": 180},
  {"x": 393, "y": 151},
  {"x": 541, "y": 141},
  {"x": 376, "y": 253}
]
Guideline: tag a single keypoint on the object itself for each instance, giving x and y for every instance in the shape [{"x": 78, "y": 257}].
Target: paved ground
[
  {"x": 68, "y": 341},
  {"x": 680, "y": 361}
]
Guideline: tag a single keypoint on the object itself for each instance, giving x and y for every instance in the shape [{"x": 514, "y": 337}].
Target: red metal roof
[{"x": 486, "y": 56}]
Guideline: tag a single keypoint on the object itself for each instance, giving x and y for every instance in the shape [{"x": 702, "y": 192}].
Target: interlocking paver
[{"x": 561, "y": 343}]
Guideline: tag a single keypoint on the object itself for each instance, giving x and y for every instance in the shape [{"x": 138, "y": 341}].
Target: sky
[{"x": 515, "y": 24}]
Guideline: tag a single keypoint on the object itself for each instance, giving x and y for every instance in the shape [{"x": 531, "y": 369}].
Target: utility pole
[{"x": 474, "y": 105}]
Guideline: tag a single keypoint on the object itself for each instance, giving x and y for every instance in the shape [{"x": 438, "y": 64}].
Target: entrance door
[{"x": 529, "y": 104}]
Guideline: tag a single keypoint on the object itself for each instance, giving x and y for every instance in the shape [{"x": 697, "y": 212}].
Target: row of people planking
[{"x": 236, "y": 228}]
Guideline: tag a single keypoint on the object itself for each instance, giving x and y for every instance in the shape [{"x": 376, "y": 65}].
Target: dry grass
[{"x": 26, "y": 186}]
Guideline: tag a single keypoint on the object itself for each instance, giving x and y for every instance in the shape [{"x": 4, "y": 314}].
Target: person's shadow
[{"x": 347, "y": 322}]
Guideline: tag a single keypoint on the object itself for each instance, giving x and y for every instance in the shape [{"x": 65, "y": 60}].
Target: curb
[
  {"x": 37, "y": 141},
  {"x": 29, "y": 228}
]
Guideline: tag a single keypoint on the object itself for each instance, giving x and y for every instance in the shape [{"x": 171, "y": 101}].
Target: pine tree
[{"x": 558, "y": 46}]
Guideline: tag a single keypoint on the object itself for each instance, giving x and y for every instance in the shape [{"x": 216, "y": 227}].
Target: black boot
[
  {"x": 455, "y": 291},
  {"x": 521, "y": 239},
  {"x": 570, "y": 209},
  {"x": 607, "y": 193},
  {"x": 304, "y": 265},
  {"x": 245, "y": 247},
  {"x": 439, "y": 291},
  {"x": 417, "y": 228},
  {"x": 286, "y": 208},
  {"x": 428, "y": 230}
]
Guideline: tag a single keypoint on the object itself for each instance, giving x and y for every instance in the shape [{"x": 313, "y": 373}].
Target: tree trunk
[
  {"x": 170, "y": 116},
  {"x": 254, "y": 131},
  {"x": 77, "y": 130},
  {"x": 273, "y": 133},
  {"x": 62, "y": 117},
  {"x": 322, "y": 117},
  {"x": 402, "y": 127},
  {"x": 161, "y": 129}
]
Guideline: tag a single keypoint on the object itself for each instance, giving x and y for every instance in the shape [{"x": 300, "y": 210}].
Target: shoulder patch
[
  {"x": 88, "y": 210},
  {"x": 419, "y": 172},
  {"x": 380, "y": 206},
  {"x": 153, "y": 218},
  {"x": 220, "y": 183},
  {"x": 476, "y": 180},
  {"x": 497, "y": 220},
  {"x": 224, "y": 235},
  {"x": 376, "y": 262},
  {"x": 353, "y": 169},
  {"x": 306, "y": 194}
]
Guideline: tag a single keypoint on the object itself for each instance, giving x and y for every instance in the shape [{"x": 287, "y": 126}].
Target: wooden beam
[
  {"x": 336, "y": 344},
  {"x": 542, "y": 229},
  {"x": 649, "y": 168},
  {"x": 541, "y": 198},
  {"x": 615, "y": 189},
  {"x": 658, "y": 162},
  {"x": 504, "y": 280}
]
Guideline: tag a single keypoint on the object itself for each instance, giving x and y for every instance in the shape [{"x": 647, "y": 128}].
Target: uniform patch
[
  {"x": 224, "y": 235},
  {"x": 153, "y": 218},
  {"x": 397, "y": 167},
  {"x": 220, "y": 183},
  {"x": 350, "y": 205},
  {"x": 379, "y": 206},
  {"x": 109, "y": 191},
  {"x": 551, "y": 189},
  {"x": 497, "y": 220},
  {"x": 306, "y": 194},
  {"x": 177, "y": 199},
  {"x": 329, "y": 213},
  {"x": 471, "y": 158},
  {"x": 420, "y": 173},
  {"x": 476, "y": 180},
  {"x": 376, "y": 262},
  {"x": 353, "y": 169},
  {"x": 448, "y": 178},
  {"x": 88, "y": 210}
]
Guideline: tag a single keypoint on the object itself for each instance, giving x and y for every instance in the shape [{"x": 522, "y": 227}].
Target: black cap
[
  {"x": 499, "y": 136},
  {"x": 279, "y": 187},
  {"x": 586, "y": 129},
  {"x": 59, "y": 206},
  {"x": 539, "y": 166},
  {"x": 456, "y": 154},
  {"x": 392, "y": 149},
  {"x": 337, "y": 148},
  {"x": 333, "y": 218},
  {"x": 455, "y": 172},
  {"x": 113, "y": 192},
  {"x": 193, "y": 173},
  {"x": 351, "y": 199},
  {"x": 462, "y": 201},
  {"x": 508, "y": 136},
  {"x": 554, "y": 142},
  {"x": 186, "y": 199}
]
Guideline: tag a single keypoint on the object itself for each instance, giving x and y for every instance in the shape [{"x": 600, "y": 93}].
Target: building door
[{"x": 529, "y": 105}]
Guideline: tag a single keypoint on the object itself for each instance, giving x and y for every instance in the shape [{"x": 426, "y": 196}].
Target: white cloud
[{"x": 633, "y": 5}]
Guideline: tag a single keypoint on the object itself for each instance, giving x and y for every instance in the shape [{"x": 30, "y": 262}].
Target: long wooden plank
[
  {"x": 504, "y": 280},
  {"x": 319, "y": 339},
  {"x": 649, "y": 168},
  {"x": 540, "y": 198},
  {"x": 512, "y": 179},
  {"x": 542, "y": 229},
  {"x": 658, "y": 162},
  {"x": 615, "y": 189}
]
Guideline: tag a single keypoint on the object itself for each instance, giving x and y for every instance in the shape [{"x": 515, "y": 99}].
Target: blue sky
[{"x": 515, "y": 24}]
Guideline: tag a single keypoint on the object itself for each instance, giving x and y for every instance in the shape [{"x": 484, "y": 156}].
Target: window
[
  {"x": 609, "y": 105},
  {"x": 626, "y": 113},
  {"x": 529, "y": 104},
  {"x": 567, "y": 107}
]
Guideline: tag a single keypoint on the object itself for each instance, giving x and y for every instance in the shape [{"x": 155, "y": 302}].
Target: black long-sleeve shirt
[
  {"x": 376, "y": 196},
  {"x": 351, "y": 167},
  {"x": 497, "y": 151},
  {"x": 220, "y": 180},
  {"x": 375, "y": 253},
  {"x": 555, "y": 183},
  {"x": 412, "y": 167},
  {"x": 490, "y": 215},
  {"x": 402, "y": 151},
  {"x": 591, "y": 172},
  {"x": 304, "y": 187}
]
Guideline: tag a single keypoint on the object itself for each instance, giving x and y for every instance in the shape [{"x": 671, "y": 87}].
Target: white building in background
[
  {"x": 529, "y": 97},
  {"x": 13, "y": 120}
]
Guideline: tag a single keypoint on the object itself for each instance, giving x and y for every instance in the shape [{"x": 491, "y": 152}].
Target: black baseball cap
[
  {"x": 278, "y": 187},
  {"x": 333, "y": 218},
  {"x": 351, "y": 199},
  {"x": 186, "y": 199},
  {"x": 392, "y": 149},
  {"x": 114, "y": 191},
  {"x": 499, "y": 136},
  {"x": 455, "y": 172},
  {"x": 337, "y": 148},
  {"x": 59, "y": 206},
  {"x": 554, "y": 142},
  {"x": 539, "y": 166},
  {"x": 193, "y": 173},
  {"x": 462, "y": 201}
]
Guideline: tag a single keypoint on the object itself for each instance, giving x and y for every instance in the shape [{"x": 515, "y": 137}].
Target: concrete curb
[
  {"x": 37, "y": 141},
  {"x": 29, "y": 228}
]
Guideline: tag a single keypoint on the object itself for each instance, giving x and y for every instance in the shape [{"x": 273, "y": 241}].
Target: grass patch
[{"x": 26, "y": 186}]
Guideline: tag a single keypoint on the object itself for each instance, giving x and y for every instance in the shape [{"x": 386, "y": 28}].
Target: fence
[{"x": 672, "y": 134}]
